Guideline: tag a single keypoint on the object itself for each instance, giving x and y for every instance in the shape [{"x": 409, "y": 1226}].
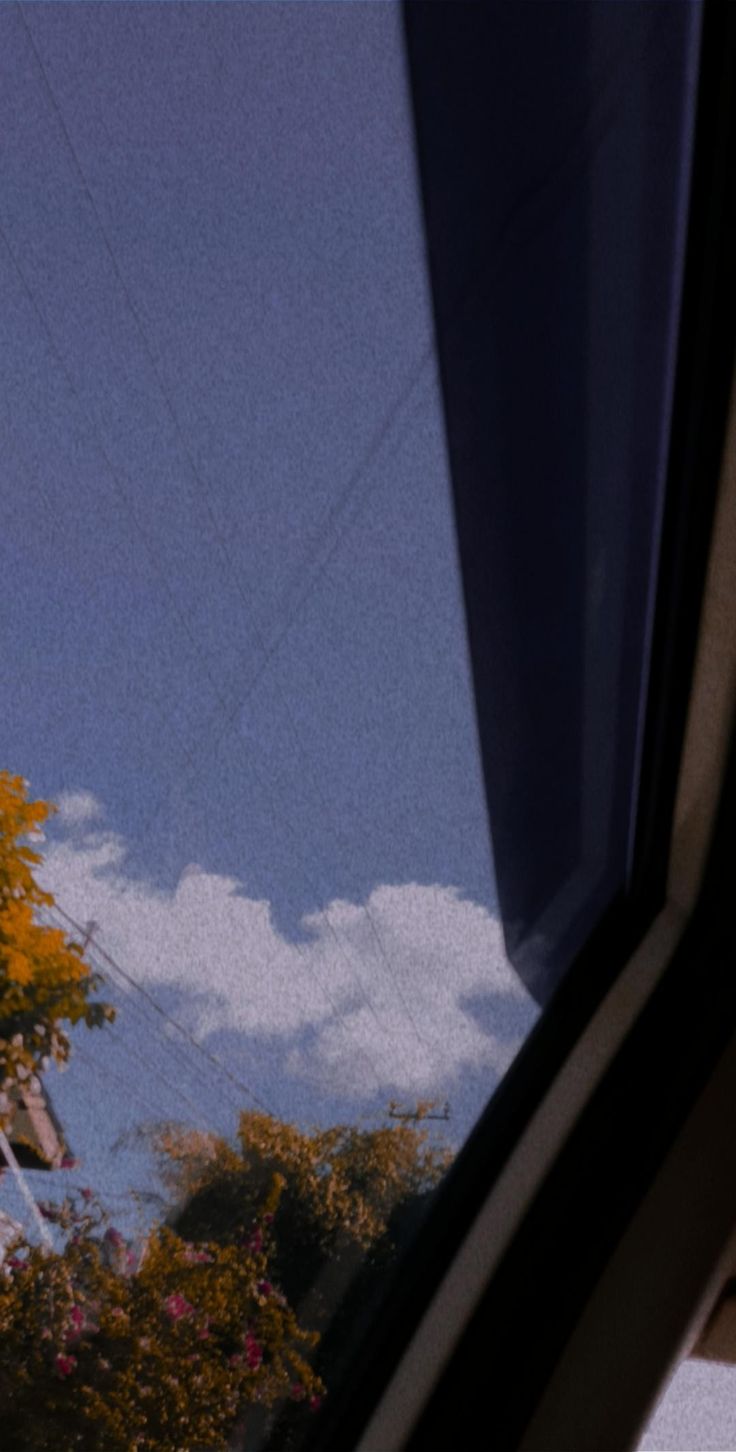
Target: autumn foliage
[
  {"x": 45, "y": 983},
  {"x": 351, "y": 1198},
  {"x": 175, "y": 1345},
  {"x": 339, "y": 1182},
  {"x": 110, "y": 1350}
]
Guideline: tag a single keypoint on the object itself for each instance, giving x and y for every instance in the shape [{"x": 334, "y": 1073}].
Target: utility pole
[
  {"x": 415, "y": 1116},
  {"x": 89, "y": 929}
]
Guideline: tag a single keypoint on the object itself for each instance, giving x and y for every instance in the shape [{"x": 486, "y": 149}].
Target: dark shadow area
[{"x": 553, "y": 196}]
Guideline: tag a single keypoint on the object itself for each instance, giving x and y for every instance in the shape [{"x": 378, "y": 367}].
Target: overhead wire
[
  {"x": 170, "y": 728},
  {"x": 168, "y": 1018},
  {"x": 112, "y": 471},
  {"x": 338, "y": 1013},
  {"x": 146, "y": 680},
  {"x": 172, "y": 1045},
  {"x": 153, "y": 1064},
  {"x": 334, "y": 513},
  {"x": 107, "y": 1073},
  {"x": 134, "y": 1003}
]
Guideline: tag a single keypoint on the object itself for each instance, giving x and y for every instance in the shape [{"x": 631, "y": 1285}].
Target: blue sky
[
  {"x": 225, "y": 434},
  {"x": 232, "y": 625}
]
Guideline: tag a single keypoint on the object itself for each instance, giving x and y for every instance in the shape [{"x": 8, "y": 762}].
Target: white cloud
[
  {"x": 408, "y": 994},
  {"x": 76, "y": 809}
]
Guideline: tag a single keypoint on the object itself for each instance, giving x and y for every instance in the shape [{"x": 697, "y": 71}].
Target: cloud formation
[
  {"x": 408, "y": 994},
  {"x": 77, "y": 809}
]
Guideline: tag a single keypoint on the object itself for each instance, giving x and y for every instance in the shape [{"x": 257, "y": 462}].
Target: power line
[
  {"x": 149, "y": 693},
  {"x": 221, "y": 700},
  {"x": 171, "y": 728},
  {"x": 333, "y": 513},
  {"x": 331, "y": 519},
  {"x": 107, "y": 1073},
  {"x": 151, "y": 1066},
  {"x": 156, "y": 1006},
  {"x": 71, "y": 384},
  {"x": 174, "y": 1047},
  {"x": 215, "y": 1061},
  {"x": 230, "y": 716},
  {"x": 144, "y": 1017},
  {"x": 112, "y": 471},
  {"x": 181, "y": 1061}
]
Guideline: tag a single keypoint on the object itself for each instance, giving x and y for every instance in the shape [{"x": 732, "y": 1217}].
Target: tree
[
  {"x": 351, "y": 1197},
  {"x": 44, "y": 980},
  {"x": 340, "y": 1186}
]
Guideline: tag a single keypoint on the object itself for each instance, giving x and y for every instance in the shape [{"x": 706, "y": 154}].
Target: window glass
[{"x": 235, "y": 660}]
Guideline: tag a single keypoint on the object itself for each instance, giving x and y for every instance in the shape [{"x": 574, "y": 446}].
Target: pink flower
[
  {"x": 76, "y": 1317},
  {"x": 315, "y": 1403},
  {"x": 86, "y": 1194},
  {"x": 49, "y": 1212},
  {"x": 235, "y": 1360},
  {"x": 64, "y": 1365},
  {"x": 177, "y": 1306},
  {"x": 193, "y": 1256},
  {"x": 253, "y": 1352},
  {"x": 256, "y": 1240},
  {"x": 204, "y": 1331},
  {"x": 118, "y": 1313},
  {"x": 264, "y": 1288},
  {"x": 68, "y": 1163},
  {"x": 268, "y": 1219},
  {"x": 296, "y": 1391},
  {"x": 113, "y": 1236}
]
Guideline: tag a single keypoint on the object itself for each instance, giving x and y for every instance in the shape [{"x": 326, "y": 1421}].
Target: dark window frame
[{"x": 703, "y": 383}]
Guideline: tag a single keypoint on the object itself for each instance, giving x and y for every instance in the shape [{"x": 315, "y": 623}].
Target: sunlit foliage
[
  {"x": 44, "y": 980},
  {"x": 349, "y": 1198},
  {"x": 342, "y": 1181},
  {"x": 107, "y": 1350}
]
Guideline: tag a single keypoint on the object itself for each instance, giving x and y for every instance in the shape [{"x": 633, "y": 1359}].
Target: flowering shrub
[{"x": 160, "y": 1358}]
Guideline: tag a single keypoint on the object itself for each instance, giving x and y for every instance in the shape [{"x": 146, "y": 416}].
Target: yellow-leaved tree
[
  {"x": 351, "y": 1198},
  {"x": 45, "y": 983}
]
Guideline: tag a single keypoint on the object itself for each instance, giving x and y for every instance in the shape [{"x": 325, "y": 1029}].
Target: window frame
[{"x": 578, "y": 1075}]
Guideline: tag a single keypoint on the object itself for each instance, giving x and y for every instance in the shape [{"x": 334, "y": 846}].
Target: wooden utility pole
[
  {"x": 415, "y": 1116},
  {"x": 89, "y": 929}
]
